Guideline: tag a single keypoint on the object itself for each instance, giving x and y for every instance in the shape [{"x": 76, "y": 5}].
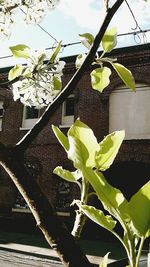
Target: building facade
[{"x": 114, "y": 109}]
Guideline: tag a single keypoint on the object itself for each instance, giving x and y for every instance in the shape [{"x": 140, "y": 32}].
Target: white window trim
[
  {"x": 66, "y": 121},
  {"x": 27, "y": 123},
  {"x": 1, "y": 117},
  {"x": 130, "y": 134}
]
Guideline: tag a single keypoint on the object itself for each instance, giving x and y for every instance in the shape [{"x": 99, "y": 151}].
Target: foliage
[
  {"x": 40, "y": 82},
  {"x": 37, "y": 84},
  {"x": 100, "y": 75},
  {"x": 91, "y": 159}
]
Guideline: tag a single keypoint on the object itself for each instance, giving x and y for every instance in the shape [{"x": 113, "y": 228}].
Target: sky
[{"x": 71, "y": 18}]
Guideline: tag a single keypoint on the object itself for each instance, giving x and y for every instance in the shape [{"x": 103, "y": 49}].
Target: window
[
  {"x": 1, "y": 114},
  {"x": 130, "y": 111},
  {"x": 63, "y": 196},
  {"x": 68, "y": 111},
  {"x": 30, "y": 116},
  {"x": 34, "y": 168}
]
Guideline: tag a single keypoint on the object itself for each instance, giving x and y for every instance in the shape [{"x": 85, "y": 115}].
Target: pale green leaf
[
  {"x": 56, "y": 52},
  {"x": 97, "y": 216},
  {"x": 41, "y": 58},
  {"x": 125, "y": 75},
  {"x": 61, "y": 137},
  {"x": 108, "y": 150},
  {"x": 79, "y": 60},
  {"x": 104, "y": 262},
  {"x": 27, "y": 72},
  {"x": 15, "y": 72},
  {"x": 57, "y": 83},
  {"x": 83, "y": 145},
  {"x": 87, "y": 39},
  {"x": 67, "y": 175},
  {"x": 109, "y": 40},
  {"x": 139, "y": 211},
  {"x": 21, "y": 51},
  {"x": 112, "y": 198},
  {"x": 100, "y": 78}
]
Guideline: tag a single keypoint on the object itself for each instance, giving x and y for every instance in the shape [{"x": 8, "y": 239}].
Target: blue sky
[{"x": 70, "y": 18}]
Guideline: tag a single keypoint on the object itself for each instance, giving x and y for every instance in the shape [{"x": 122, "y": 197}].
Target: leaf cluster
[
  {"x": 100, "y": 76},
  {"x": 91, "y": 159}
]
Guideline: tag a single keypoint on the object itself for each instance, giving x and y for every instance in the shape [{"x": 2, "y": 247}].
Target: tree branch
[
  {"x": 24, "y": 143},
  {"x": 55, "y": 232}
]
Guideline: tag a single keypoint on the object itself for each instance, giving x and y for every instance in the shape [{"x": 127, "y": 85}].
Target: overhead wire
[
  {"x": 136, "y": 33},
  {"x": 79, "y": 42},
  {"x": 137, "y": 37},
  {"x": 38, "y": 25}
]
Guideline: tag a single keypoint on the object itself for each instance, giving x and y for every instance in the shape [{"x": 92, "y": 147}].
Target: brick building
[{"x": 116, "y": 108}]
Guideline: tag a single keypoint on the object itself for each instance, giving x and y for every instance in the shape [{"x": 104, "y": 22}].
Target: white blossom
[
  {"x": 35, "y": 12},
  {"x": 5, "y": 25},
  {"x": 39, "y": 88}
]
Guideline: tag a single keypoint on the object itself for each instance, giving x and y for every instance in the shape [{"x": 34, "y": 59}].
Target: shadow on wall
[
  {"x": 126, "y": 176},
  {"x": 129, "y": 177}
]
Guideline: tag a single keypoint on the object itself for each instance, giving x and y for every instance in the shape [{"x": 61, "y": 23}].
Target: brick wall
[{"x": 91, "y": 107}]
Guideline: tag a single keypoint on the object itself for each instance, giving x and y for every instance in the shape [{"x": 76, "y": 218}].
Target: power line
[
  {"x": 137, "y": 38},
  {"x": 135, "y": 20},
  {"x": 77, "y": 43},
  {"x": 47, "y": 32},
  {"x": 41, "y": 28}
]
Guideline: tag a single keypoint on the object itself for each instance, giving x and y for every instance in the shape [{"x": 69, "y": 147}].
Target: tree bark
[
  {"x": 11, "y": 159},
  {"x": 55, "y": 232}
]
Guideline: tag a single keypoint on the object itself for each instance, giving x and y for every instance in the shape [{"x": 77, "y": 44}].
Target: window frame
[
  {"x": 28, "y": 123},
  {"x": 67, "y": 120},
  {"x": 128, "y": 122},
  {"x": 1, "y": 116}
]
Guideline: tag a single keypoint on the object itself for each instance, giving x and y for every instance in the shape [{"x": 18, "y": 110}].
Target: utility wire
[
  {"x": 47, "y": 32},
  {"x": 77, "y": 43},
  {"x": 135, "y": 20},
  {"x": 135, "y": 33},
  {"x": 41, "y": 27},
  {"x": 137, "y": 38}
]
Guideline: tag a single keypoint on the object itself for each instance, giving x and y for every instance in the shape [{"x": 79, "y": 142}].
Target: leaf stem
[
  {"x": 80, "y": 217},
  {"x": 139, "y": 251}
]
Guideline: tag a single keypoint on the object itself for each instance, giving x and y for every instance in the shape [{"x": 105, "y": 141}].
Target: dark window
[
  {"x": 1, "y": 112},
  {"x": 69, "y": 106},
  {"x": 34, "y": 169},
  {"x": 32, "y": 113}
]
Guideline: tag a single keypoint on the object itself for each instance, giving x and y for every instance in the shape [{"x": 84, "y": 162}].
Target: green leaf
[
  {"x": 63, "y": 140},
  {"x": 67, "y": 175},
  {"x": 15, "y": 72},
  {"x": 98, "y": 216},
  {"x": 104, "y": 261},
  {"x": 125, "y": 75},
  {"x": 139, "y": 211},
  {"x": 109, "y": 40},
  {"x": 79, "y": 60},
  {"x": 21, "y": 51},
  {"x": 83, "y": 145},
  {"x": 27, "y": 72},
  {"x": 57, "y": 83},
  {"x": 54, "y": 55},
  {"x": 112, "y": 198},
  {"x": 41, "y": 58},
  {"x": 87, "y": 40},
  {"x": 108, "y": 150},
  {"x": 100, "y": 78}
]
